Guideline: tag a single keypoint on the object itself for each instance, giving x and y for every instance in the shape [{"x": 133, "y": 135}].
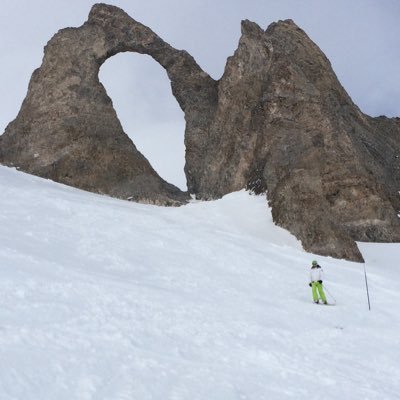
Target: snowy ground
[{"x": 106, "y": 299}]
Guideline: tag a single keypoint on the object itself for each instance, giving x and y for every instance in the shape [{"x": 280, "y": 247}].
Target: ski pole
[
  {"x": 366, "y": 285},
  {"x": 330, "y": 294}
]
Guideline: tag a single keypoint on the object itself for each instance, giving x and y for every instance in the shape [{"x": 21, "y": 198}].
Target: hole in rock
[{"x": 141, "y": 93}]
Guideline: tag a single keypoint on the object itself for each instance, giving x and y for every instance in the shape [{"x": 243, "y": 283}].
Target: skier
[{"x": 316, "y": 283}]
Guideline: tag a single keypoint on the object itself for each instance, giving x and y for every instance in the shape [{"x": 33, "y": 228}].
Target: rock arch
[
  {"x": 67, "y": 129},
  {"x": 278, "y": 119}
]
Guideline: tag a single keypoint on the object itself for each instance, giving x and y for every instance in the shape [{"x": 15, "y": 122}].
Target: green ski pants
[{"x": 318, "y": 291}]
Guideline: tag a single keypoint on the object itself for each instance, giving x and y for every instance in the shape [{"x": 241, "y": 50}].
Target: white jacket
[{"x": 316, "y": 274}]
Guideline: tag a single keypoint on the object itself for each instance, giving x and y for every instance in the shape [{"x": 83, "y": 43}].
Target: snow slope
[{"x": 106, "y": 299}]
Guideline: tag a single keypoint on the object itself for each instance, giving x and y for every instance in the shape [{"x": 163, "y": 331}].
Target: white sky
[{"x": 360, "y": 37}]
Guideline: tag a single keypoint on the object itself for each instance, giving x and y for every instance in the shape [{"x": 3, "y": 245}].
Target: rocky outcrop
[
  {"x": 67, "y": 129},
  {"x": 277, "y": 121},
  {"x": 283, "y": 123}
]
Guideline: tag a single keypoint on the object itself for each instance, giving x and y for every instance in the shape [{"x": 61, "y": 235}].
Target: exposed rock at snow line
[
  {"x": 278, "y": 120},
  {"x": 283, "y": 123},
  {"x": 67, "y": 129}
]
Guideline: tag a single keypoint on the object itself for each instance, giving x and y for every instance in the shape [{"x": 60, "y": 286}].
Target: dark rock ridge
[{"x": 278, "y": 121}]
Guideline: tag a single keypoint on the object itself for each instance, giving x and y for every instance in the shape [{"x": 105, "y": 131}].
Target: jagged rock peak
[
  {"x": 284, "y": 123},
  {"x": 286, "y": 24},
  {"x": 249, "y": 27}
]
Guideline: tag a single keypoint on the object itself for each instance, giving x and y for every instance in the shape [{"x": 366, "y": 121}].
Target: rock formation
[
  {"x": 278, "y": 121},
  {"x": 67, "y": 129}
]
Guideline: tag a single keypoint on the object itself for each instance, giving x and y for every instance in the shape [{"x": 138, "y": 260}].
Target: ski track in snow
[{"x": 107, "y": 299}]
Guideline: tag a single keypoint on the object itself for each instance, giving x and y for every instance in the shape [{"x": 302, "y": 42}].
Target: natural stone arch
[
  {"x": 67, "y": 129},
  {"x": 278, "y": 119},
  {"x": 195, "y": 91}
]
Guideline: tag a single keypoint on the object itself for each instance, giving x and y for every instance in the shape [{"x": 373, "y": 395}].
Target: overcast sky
[{"x": 360, "y": 37}]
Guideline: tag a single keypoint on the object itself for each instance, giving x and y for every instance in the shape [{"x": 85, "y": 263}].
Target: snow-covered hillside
[{"x": 106, "y": 299}]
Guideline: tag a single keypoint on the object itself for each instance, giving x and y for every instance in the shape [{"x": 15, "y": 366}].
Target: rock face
[
  {"x": 283, "y": 123},
  {"x": 278, "y": 121},
  {"x": 67, "y": 129}
]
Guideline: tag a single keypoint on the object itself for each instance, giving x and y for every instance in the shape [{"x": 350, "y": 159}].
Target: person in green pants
[{"x": 316, "y": 283}]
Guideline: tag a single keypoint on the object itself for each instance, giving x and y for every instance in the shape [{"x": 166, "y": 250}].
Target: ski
[{"x": 324, "y": 304}]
